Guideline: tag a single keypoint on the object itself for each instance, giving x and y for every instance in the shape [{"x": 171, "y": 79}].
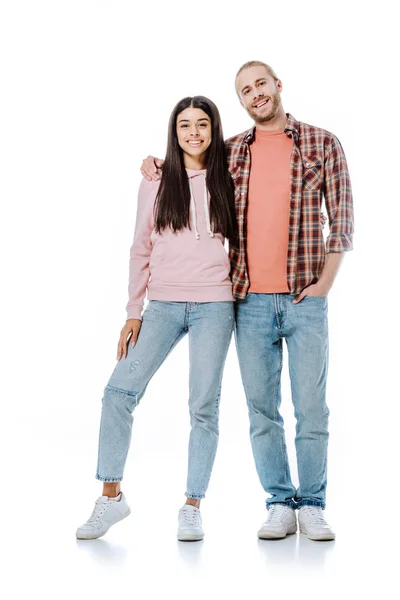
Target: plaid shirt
[{"x": 317, "y": 168}]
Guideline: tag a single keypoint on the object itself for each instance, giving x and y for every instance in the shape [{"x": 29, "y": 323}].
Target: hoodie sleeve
[{"x": 140, "y": 252}]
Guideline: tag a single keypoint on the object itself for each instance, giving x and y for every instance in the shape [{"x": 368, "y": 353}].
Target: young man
[{"x": 282, "y": 272}]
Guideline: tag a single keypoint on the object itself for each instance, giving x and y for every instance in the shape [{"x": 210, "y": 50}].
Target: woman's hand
[{"x": 129, "y": 334}]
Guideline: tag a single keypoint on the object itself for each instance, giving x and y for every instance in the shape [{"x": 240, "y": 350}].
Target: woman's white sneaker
[
  {"x": 107, "y": 511},
  {"x": 312, "y": 523},
  {"x": 190, "y": 525},
  {"x": 281, "y": 522}
]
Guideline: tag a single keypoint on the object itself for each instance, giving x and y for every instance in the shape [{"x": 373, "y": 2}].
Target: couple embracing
[{"x": 263, "y": 191}]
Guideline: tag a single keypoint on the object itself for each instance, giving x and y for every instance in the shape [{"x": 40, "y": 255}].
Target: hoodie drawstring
[
  {"x": 193, "y": 209},
  {"x": 206, "y": 210}
]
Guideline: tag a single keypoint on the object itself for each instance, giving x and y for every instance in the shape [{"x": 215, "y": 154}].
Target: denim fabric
[
  {"x": 262, "y": 322},
  {"x": 210, "y": 326}
]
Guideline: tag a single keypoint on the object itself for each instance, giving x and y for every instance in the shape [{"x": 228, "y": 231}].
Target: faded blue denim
[
  {"x": 263, "y": 321},
  {"x": 210, "y": 327}
]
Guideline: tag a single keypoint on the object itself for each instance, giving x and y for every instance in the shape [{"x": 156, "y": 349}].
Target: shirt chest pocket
[{"x": 312, "y": 172}]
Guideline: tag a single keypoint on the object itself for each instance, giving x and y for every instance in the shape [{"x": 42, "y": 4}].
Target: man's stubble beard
[{"x": 275, "y": 100}]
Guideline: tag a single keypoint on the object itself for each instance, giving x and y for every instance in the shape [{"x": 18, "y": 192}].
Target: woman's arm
[
  {"x": 139, "y": 271},
  {"x": 140, "y": 252}
]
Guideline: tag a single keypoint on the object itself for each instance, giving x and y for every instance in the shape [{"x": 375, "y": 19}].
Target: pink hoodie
[{"x": 191, "y": 265}]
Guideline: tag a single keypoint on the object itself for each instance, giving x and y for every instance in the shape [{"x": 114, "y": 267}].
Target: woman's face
[{"x": 193, "y": 127}]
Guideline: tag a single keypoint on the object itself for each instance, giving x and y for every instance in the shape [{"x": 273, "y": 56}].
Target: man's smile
[{"x": 261, "y": 103}]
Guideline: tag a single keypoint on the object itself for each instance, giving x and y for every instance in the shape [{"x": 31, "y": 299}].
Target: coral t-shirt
[{"x": 268, "y": 212}]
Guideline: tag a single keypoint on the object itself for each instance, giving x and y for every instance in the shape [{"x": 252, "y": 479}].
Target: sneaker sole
[
  {"x": 318, "y": 537},
  {"x": 96, "y": 537},
  {"x": 270, "y": 535},
  {"x": 188, "y": 537}
]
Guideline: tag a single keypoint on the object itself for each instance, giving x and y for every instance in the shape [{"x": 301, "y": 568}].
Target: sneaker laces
[
  {"x": 276, "y": 513},
  {"x": 314, "y": 513},
  {"x": 190, "y": 517},
  {"x": 100, "y": 508}
]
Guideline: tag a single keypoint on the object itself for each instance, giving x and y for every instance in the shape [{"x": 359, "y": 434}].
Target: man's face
[{"x": 259, "y": 93}]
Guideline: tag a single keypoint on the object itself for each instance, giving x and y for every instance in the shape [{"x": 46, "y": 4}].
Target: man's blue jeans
[
  {"x": 210, "y": 327},
  {"x": 262, "y": 322}
]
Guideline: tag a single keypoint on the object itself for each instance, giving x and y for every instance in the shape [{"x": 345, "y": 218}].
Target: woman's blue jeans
[{"x": 210, "y": 327}]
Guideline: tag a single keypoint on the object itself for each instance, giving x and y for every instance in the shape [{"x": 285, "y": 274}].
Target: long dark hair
[{"x": 172, "y": 206}]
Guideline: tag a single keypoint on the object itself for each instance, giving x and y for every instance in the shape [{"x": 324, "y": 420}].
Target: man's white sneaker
[
  {"x": 312, "y": 523},
  {"x": 190, "y": 529},
  {"x": 107, "y": 511},
  {"x": 281, "y": 521}
]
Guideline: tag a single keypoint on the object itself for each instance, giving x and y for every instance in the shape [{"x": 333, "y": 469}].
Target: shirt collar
[{"x": 292, "y": 129}]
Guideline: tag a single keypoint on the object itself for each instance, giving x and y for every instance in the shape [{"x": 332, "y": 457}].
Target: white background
[{"x": 87, "y": 90}]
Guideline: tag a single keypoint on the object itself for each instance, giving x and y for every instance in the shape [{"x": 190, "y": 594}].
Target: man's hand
[
  {"x": 130, "y": 330},
  {"x": 322, "y": 219},
  {"x": 321, "y": 288},
  {"x": 316, "y": 289},
  {"x": 151, "y": 168}
]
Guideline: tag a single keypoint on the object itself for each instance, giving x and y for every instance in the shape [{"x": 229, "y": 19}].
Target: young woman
[{"x": 178, "y": 257}]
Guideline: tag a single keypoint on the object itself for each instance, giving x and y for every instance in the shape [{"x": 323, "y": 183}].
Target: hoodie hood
[
  {"x": 192, "y": 173},
  {"x": 195, "y": 173}
]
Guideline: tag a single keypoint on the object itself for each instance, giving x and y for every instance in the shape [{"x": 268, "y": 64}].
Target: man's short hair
[{"x": 256, "y": 63}]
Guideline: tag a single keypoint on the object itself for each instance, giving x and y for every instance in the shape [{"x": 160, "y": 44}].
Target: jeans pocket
[{"x": 314, "y": 300}]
